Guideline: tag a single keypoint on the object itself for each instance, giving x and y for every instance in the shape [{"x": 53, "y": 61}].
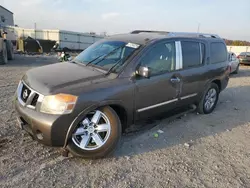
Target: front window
[
  {"x": 107, "y": 55},
  {"x": 161, "y": 58}
]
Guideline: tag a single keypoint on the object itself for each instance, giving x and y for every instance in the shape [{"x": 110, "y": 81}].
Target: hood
[{"x": 60, "y": 77}]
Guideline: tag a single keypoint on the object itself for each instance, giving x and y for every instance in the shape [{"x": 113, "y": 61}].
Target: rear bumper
[{"x": 245, "y": 61}]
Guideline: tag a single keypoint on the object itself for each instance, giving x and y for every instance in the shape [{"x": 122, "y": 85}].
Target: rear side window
[
  {"x": 193, "y": 53},
  {"x": 218, "y": 52}
]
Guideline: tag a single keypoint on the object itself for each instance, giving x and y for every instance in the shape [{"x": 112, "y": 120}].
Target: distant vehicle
[
  {"x": 62, "y": 54},
  {"x": 244, "y": 57},
  {"x": 234, "y": 63},
  {"x": 85, "y": 105},
  {"x": 6, "y": 48}
]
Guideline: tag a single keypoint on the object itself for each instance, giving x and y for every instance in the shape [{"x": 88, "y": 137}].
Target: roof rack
[
  {"x": 148, "y": 31},
  {"x": 178, "y": 34}
]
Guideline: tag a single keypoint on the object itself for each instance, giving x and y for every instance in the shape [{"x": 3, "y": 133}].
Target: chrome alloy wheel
[
  {"x": 93, "y": 132},
  {"x": 210, "y": 99}
]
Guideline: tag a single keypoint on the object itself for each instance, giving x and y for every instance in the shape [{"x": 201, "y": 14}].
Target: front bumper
[{"x": 48, "y": 129}]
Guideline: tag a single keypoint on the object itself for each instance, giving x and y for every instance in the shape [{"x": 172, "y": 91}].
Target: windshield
[{"x": 107, "y": 55}]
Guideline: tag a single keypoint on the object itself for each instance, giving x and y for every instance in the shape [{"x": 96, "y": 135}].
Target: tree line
[{"x": 237, "y": 42}]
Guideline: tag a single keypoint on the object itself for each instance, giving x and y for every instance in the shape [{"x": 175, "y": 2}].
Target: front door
[{"x": 160, "y": 91}]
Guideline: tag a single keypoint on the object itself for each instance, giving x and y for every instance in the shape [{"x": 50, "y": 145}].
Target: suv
[{"x": 84, "y": 105}]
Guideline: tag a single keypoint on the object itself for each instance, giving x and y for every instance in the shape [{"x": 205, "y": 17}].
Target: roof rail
[
  {"x": 201, "y": 35},
  {"x": 178, "y": 34},
  {"x": 148, "y": 31}
]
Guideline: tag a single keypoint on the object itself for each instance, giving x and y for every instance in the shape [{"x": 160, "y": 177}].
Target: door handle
[{"x": 175, "y": 80}]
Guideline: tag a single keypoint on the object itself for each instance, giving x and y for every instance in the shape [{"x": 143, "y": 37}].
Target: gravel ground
[{"x": 192, "y": 151}]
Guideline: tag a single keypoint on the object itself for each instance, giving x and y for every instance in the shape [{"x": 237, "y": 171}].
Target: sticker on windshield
[{"x": 133, "y": 45}]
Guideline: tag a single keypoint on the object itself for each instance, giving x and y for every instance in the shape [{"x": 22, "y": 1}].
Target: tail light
[{"x": 238, "y": 56}]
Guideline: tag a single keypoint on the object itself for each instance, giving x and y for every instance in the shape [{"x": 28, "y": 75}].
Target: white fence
[{"x": 238, "y": 49}]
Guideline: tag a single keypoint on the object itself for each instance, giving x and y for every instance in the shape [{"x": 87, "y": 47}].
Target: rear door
[
  {"x": 233, "y": 61},
  {"x": 193, "y": 56}
]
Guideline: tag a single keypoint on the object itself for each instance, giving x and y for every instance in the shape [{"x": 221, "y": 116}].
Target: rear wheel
[
  {"x": 3, "y": 55},
  {"x": 97, "y": 135},
  {"x": 209, "y": 99}
]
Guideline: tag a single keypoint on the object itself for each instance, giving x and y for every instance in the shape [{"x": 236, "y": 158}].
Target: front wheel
[
  {"x": 209, "y": 99},
  {"x": 97, "y": 135},
  {"x": 3, "y": 55}
]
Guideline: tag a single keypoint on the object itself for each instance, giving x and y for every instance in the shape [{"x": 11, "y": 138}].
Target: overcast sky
[{"x": 228, "y": 18}]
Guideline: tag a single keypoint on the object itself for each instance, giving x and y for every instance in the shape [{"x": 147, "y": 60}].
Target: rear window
[
  {"x": 193, "y": 54},
  {"x": 218, "y": 52}
]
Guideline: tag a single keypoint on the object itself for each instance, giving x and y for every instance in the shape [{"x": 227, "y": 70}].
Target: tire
[
  {"x": 84, "y": 145},
  {"x": 202, "y": 108},
  {"x": 3, "y": 55},
  {"x": 237, "y": 69},
  {"x": 10, "y": 50}
]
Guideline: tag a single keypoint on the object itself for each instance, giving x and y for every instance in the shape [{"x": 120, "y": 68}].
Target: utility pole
[
  {"x": 198, "y": 30},
  {"x": 35, "y": 29}
]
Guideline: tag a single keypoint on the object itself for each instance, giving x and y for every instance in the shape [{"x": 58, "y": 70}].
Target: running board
[{"x": 149, "y": 124}]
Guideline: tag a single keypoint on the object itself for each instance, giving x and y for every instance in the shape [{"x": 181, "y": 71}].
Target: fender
[
  {"x": 82, "y": 114},
  {"x": 206, "y": 85}
]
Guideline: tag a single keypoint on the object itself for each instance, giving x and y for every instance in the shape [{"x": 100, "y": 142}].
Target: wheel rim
[
  {"x": 210, "y": 99},
  {"x": 93, "y": 132}
]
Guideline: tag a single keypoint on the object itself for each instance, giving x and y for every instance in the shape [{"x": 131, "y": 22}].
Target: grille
[
  {"x": 34, "y": 100},
  {"x": 25, "y": 93},
  {"x": 27, "y": 96}
]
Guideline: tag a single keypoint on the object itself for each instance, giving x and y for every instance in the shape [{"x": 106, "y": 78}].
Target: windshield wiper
[
  {"x": 94, "y": 60},
  {"x": 110, "y": 53},
  {"x": 118, "y": 62}
]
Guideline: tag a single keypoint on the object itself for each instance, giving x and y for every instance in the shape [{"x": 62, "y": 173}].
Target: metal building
[
  {"x": 65, "y": 39},
  {"x": 6, "y": 17}
]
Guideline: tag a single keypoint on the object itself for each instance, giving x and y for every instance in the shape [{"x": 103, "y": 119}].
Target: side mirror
[{"x": 143, "y": 71}]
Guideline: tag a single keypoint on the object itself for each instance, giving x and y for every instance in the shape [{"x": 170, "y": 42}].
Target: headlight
[{"x": 58, "y": 104}]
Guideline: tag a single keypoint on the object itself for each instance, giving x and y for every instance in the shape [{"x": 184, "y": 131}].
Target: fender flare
[
  {"x": 206, "y": 85},
  {"x": 83, "y": 113}
]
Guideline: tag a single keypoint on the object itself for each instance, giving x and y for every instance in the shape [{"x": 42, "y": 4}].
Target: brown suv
[{"x": 84, "y": 105}]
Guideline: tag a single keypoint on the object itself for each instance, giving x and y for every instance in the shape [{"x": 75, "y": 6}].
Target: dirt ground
[{"x": 192, "y": 151}]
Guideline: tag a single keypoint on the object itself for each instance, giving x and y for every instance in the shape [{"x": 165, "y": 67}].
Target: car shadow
[
  {"x": 230, "y": 113},
  {"x": 30, "y": 61}
]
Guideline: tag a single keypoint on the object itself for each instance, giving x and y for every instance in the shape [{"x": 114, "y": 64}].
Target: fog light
[{"x": 39, "y": 135}]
